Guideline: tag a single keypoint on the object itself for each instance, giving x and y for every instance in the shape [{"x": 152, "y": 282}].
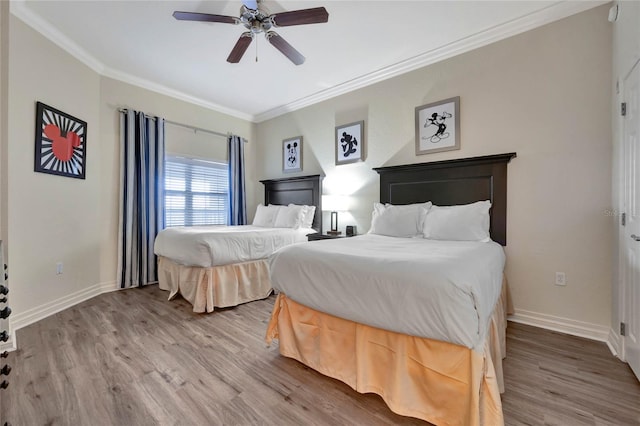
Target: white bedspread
[
  {"x": 444, "y": 290},
  {"x": 208, "y": 246}
]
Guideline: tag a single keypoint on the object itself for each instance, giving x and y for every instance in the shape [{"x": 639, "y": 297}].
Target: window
[{"x": 195, "y": 192}]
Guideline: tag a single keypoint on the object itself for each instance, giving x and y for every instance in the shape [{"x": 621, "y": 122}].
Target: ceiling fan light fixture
[{"x": 258, "y": 20}]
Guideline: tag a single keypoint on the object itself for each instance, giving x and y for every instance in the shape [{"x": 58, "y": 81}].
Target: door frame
[{"x": 623, "y": 315}]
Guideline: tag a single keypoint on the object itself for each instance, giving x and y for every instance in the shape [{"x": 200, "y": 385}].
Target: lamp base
[{"x": 334, "y": 232}]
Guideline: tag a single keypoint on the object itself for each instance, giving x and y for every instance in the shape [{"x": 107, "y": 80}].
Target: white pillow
[
  {"x": 309, "y": 214},
  {"x": 265, "y": 215},
  {"x": 468, "y": 222},
  {"x": 398, "y": 220},
  {"x": 289, "y": 217}
]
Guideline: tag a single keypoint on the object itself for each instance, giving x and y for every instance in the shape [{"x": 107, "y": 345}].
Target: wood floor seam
[{"x": 132, "y": 357}]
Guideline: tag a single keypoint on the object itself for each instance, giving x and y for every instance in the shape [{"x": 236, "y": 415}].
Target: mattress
[
  {"x": 442, "y": 290},
  {"x": 215, "y": 245}
]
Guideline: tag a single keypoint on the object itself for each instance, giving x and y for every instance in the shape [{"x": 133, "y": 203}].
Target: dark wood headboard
[
  {"x": 452, "y": 182},
  {"x": 302, "y": 190}
]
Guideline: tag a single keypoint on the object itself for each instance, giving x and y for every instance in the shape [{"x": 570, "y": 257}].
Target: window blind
[{"x": 196, "y": 192}]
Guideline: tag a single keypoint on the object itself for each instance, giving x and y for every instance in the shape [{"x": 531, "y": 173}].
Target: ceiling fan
[{"x": 257, "y": 20}]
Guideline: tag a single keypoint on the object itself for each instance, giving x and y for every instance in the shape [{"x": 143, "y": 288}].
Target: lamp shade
[{"x": 335, "y": 203}]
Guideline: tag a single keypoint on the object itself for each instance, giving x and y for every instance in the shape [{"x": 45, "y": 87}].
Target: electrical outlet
[
  {"x": 561, "y": 278},
  {"x": 59, "y": 268}
]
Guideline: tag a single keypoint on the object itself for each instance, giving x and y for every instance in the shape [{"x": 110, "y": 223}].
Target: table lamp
[{"x": 334, "y": 204}]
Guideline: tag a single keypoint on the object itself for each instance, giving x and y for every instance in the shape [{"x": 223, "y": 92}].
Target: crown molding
[
  {"x": 164, "y": 90},
  {"x": 550, "y": 14},
  {"x": 21, "y": 11},
  {"x": 536, "y": 19}
]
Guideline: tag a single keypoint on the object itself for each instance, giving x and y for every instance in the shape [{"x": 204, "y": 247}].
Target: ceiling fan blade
[
  {"x": 284, "y": 47},
  {"x": 204, "y": 17},
  {"x": 241, "y": 46},
  {"x": 317, "y": 15},
  {"x": 250, "y": 4}
]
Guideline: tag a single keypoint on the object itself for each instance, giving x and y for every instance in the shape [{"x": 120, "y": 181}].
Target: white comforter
[
  {"x": 444, "y": 290},
  {"x": 208, "y": 246}
]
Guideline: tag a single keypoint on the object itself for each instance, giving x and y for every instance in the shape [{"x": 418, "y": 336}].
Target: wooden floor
[{"x": 133, "y": 358}]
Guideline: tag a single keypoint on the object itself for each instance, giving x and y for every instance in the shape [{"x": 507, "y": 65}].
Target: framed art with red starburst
[{"x": 61, "y": 143}]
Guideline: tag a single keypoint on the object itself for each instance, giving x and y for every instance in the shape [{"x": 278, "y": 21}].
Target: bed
[
  {"x": 221, "y": 266},
  {"x": 346, "y": 307}
]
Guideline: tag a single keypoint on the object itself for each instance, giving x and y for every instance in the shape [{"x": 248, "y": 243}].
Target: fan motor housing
[{"x": 256, "y": 21}]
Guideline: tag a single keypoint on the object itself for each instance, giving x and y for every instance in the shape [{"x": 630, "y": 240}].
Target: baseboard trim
[
  {"x": 11, "y": 344},
  {"x": 562, "y": 325},
  {"x": 614, "y": 341},
  {"x": 23, "y": 319}
]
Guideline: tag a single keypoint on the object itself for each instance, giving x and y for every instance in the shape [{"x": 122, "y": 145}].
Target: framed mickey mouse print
[
  {"x": 292, "y": 154},
  {"x": 349, "y": 143},
  {"x": 438, "y": 126},
  {"x": 60, "y": 143}
]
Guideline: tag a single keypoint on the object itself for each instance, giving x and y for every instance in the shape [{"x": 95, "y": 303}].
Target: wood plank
[{"x": 132, "y": 357}]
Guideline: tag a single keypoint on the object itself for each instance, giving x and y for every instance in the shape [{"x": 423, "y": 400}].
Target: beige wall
[
  {"x": 56, "y": 219},
  {"x": 181, "y": 141},
  {"x": 4, "y": 112},
  {"x": 50, "y": 218},
  {"x": 544, "y": 94}
]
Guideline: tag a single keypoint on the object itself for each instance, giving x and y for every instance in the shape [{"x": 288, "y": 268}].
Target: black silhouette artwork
[
  {"x": 349, "y": 144},
  {"x": 439, "y": 121},
  {"x": 292, "y": 155}
]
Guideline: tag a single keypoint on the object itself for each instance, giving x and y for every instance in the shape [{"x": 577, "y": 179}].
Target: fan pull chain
[{"x": 256, "y": 49}]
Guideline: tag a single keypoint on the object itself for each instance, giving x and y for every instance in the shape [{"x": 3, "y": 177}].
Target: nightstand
[{"x": 318, "y": 236}]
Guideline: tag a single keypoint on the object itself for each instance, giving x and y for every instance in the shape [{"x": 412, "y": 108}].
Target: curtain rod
[
  {"x": 197, "y": 129},
  {"x": 186, "y": 126}
]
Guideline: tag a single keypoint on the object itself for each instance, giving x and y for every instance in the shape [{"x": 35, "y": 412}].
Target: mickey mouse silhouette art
[
  {"x": 292, "y": 154},
  {"x": 437, "y": 120},
  {"x": 349, "y": 144}
]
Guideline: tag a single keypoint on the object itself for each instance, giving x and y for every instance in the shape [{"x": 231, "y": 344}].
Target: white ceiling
[{"x": 364, "y": 41}]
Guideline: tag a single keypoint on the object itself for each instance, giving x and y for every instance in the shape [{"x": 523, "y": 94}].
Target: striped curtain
[
  {"x": 141, "y": 197},
  {"x": 237, "y": 196}
]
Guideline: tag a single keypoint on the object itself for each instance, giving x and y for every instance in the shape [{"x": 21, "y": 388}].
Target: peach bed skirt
[
  {"x": 218, "y": 286},
  {"x": 440, "y": 382}
]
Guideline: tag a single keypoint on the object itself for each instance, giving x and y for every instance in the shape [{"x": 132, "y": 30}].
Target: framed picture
[
  {"x": 292, "y": 154},
  {"x": 438, "y": 126},
  {"x": 350, "y": 143},
  {"x": 60, "y": 143}
]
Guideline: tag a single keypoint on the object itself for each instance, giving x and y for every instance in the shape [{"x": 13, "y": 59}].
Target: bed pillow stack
[
  {"x": 291, "y": 216},
  {"x": 398, "y": 221},
  {"x": 308, "y": 215},
  {"x": 468, "y": 222},
  {"x": 266, "y": 216}
]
